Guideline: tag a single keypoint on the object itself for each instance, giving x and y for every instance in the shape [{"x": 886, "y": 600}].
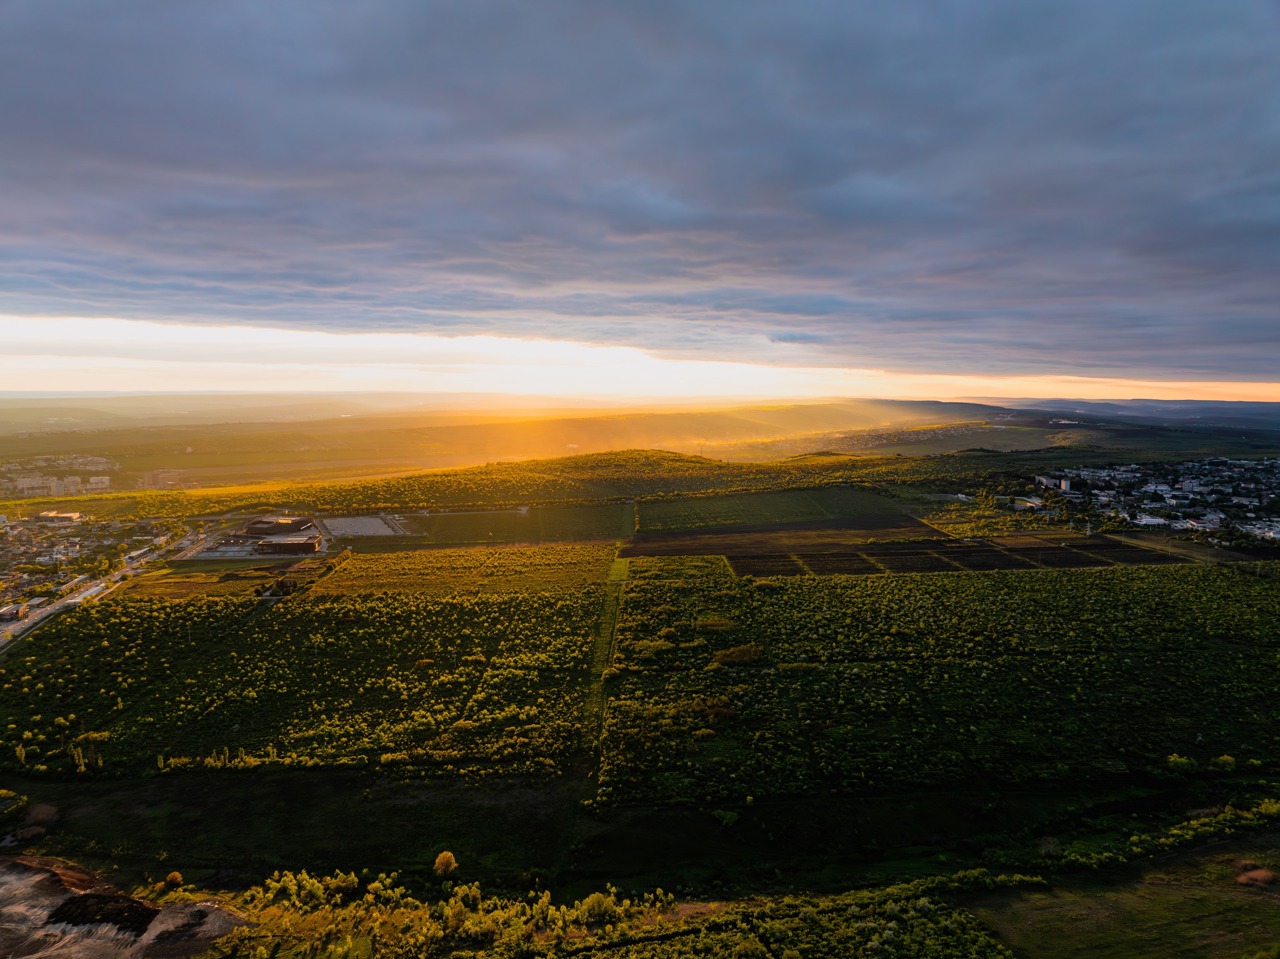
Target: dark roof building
[
  {"x": 290, "y": 545},
  {"x": 277, "y": 525}
]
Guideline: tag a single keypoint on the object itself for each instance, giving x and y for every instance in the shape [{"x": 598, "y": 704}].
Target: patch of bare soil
[{"x": 1251, "y": 874}]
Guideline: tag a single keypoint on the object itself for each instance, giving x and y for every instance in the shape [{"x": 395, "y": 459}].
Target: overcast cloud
[{"x": 1089, "y": 186}]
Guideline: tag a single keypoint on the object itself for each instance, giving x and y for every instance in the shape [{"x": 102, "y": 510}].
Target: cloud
[
  {"x": 999, "y": 187},
  {"x": 105, "y": 354}
]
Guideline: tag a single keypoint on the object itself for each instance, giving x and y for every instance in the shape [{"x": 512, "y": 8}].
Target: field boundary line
[
  {"x": 601, "y": 658},
  {"x": 808, "y": 495}
]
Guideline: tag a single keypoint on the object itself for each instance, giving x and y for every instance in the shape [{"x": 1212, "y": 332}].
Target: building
[
  {"x": 290, "y": 545},
  {"x": 32, "y": 486},
  {"x": 54, "y": 518},
  {"x": 13, "y": 611},
  {"x": 156, "y": 479},
  {"x": 277, "y": 526}
]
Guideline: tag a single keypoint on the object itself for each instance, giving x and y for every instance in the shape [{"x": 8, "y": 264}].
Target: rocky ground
[{"x": 56, "y": 910}]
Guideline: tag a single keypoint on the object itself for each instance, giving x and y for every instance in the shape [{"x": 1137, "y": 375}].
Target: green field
[
  {"x": 677, "y": 567},
  {"x": 716, "y": 688},
  {"x": 568, "y": 481},
  {"x": 443, "y": 572},
  {"x": 465, "y": 687},
  {"x": 530, "y": 525},
  {"x": 1192, "y": 906},
  {"x": 767, "y": 509},
  {"x": 183, "y": 580},
  {"x": 724, "y": 690}
]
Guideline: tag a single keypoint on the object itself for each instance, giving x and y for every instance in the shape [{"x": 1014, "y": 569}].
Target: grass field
[
  {"x": 768, "y": 509},
  {"x": 529, "y": 525},
  {"x": 677, "y": 567},
  {"x": 182, "y": 580},
  {"x": 1190, "y": 906}
]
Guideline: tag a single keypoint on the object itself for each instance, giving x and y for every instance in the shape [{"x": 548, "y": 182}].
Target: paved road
[
  {"x": 96, "y": 588},
  {"x": 184, "y": 547}
]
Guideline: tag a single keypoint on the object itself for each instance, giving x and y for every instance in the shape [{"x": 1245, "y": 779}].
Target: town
[
  {"x": 1218, "y": 497},
  {"x": 58, "y": 476},
  {"x": 54, "y": 560},
  {"x": 55, "y": 554}
]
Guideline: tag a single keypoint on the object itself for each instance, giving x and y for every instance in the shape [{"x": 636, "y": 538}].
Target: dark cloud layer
[{"x": 958, "y": 186}]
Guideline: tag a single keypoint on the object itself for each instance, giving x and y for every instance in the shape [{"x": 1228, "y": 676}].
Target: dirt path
[{"x": 601, "y": 657}]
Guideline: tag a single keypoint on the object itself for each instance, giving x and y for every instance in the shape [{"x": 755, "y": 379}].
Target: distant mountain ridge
[{"x": 1168, "y": 412}]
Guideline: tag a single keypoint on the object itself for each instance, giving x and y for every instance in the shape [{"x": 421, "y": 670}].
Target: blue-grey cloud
[{"x": 997, "y": 186}]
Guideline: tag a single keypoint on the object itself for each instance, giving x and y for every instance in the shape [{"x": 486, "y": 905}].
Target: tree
[{"x": 445, "y": 864}]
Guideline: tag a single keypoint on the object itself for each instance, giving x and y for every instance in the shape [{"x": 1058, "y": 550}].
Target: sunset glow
[{"x": 113, "y": 355}]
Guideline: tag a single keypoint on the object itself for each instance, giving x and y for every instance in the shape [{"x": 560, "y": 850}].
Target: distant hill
[
  {"x": 252, "y": 438},
  {"x": 1199, "y": 412},
  {"x": 212, "y": 441}
]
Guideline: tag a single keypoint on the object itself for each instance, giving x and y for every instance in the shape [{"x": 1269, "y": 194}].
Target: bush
[{"x": 739, "y": 655}]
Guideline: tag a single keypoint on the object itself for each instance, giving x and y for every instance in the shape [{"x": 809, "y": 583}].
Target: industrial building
[
  {"x": 277, "y": 525},
  {"x": 290, "y": 545},
  {"x": 13, "y": 611}
]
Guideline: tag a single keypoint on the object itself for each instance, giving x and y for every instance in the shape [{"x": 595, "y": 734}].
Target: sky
[{"x": 955, "y": 197}]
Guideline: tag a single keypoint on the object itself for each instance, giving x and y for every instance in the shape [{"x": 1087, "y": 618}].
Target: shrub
[{"x": 739, "y": 655}]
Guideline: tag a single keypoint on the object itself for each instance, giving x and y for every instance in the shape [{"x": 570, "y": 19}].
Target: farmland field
[
  {"x": 766, "y": 509},
  {"x": 790, "y": 553},
  {"x": 441, "y": 572},
  {"x": 766, "y": 564},
  {"x": 466, "y": 686},
  {"x": 726, "y": 690},
  {"x": 181, "y": 581},
  {"x": 677, "y": 567},
  {"x": 719, "y": 687},
  {"x": 528, "y": 525},
  {"x": 489, "y": 526},
  {"x": 1192, "y": 905},
  {"x": 759, "y": 542},
  {"x": 842, "y": 562}
]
